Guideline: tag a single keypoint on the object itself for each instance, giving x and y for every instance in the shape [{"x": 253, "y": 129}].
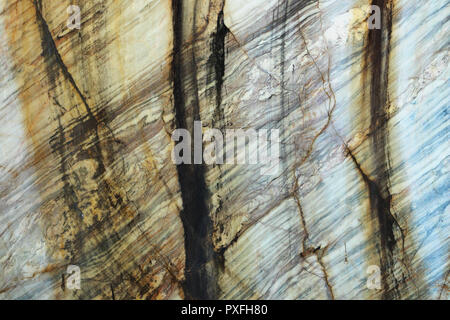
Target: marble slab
[{"x": 92, "y": 205}]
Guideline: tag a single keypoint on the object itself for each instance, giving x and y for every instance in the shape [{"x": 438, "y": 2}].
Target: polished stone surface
[{"x": 86, "y": 176}]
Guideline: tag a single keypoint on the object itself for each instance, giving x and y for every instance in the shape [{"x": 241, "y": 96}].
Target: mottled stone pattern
[{"x": 87, "y": 179}]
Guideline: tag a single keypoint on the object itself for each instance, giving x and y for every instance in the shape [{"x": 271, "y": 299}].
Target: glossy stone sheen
[{"x": 87, "y": 178}]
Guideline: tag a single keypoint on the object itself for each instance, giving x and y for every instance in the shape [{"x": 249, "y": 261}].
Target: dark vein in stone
[
  {"x": 201, "y": 260},
  {"x": 377, "y": 56}
]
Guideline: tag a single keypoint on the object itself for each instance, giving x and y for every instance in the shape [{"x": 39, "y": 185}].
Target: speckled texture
[{"x": 86, "y": 176}]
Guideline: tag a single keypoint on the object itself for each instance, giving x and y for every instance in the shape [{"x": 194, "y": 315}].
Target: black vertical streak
[
  {"x": 201, "y": 260},
  {"x": 217, "y": 60},
  {"x": 192, "y": 68},
  {"x": 377, "y": 53},
  {"x": 63, "y": 282},
  {"x": 216, "y": 64},
  {"x": 112, "y": 292}
]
